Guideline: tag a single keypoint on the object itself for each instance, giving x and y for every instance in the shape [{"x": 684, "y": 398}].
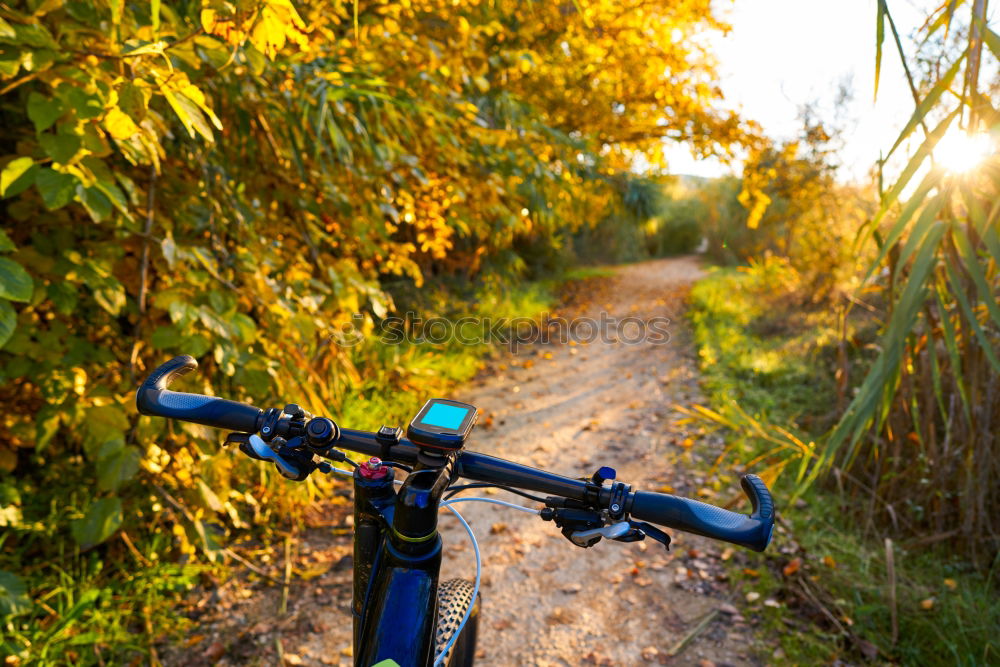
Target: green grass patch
[{"x": 758, "y": 348}]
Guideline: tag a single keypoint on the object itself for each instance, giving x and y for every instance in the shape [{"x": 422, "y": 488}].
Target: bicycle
[{"x": 401, "y": 615}]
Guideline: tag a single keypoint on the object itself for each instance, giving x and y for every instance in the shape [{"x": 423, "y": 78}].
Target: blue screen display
[{"x": 445, "y": 416}]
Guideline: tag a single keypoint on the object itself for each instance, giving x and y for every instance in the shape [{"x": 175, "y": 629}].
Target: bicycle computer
[{"x": 442, "y": 424}]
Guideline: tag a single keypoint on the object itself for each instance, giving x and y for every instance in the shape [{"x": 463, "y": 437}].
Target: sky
[{"x": 781, "y": 54}]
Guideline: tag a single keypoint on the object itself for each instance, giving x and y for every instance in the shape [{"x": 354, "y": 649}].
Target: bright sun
[{"x": 960, "y": 152}]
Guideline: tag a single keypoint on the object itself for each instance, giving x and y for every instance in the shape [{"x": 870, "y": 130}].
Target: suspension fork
[{"x": 397, "y": 563}]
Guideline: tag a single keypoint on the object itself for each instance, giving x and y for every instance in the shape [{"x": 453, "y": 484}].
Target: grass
[{"x": 758, "y": 349}]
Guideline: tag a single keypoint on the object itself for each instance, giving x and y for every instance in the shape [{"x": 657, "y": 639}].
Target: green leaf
[
  {"x": 132, "y": 101},
  {"x": 33, "y": 34},
  {"x": 46, "y": 426},
  {"x": 111, "y": 297},
  {"x": 17, "y": 176},
  {"x": 10, "y": 60},
  {"x": 103, "y": 424},
  {"x": 189, "y": 114},
  {"x": 154, "y": 48},
  {"x": 86, "y": 105},
  {"x": 60, "y": 147},
  {"x": 15, "y": 283},
  {"x": 55, "y": 187},
  {"x": 43, "y": 111},
  {"x": 6, "y": 30},
  {"x": 117, "y": 468},
  {"x": 114, "y": 195},
  {"x": 100, "y": 522},
  {"x": 96, "y": 202},
  {"x": 63, "y": 295},
  {"x": 164, "y": 338},
  {"x": 6, "y": 245},
  {"x": 14, "y": 598},
  {"x": 8, "y": 322}
]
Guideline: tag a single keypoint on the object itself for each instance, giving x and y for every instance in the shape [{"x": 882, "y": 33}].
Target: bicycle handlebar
[
  {"x": 693, "y": 516},
  {"x": 153, "y": 398}
]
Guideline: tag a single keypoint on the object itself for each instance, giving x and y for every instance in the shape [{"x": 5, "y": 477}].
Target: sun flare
[{"x": 960, "y": 152}]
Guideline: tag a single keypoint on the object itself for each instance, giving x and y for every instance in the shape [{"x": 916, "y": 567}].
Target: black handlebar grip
[
  {"x": 753, "y": 531},
  {"x": 153, "y": 398}
]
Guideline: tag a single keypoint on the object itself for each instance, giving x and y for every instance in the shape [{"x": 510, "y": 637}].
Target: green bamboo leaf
[
  {"x": 958, "y": 291},
  {"x": 992, "y": 41},
  {"x": 6, "y": 245},
  {"x": 930, "y": 180},
  {"x": 944, "y": 19},
  {"x": 972, "y": 265},
  {"x": 936, "y": 377},
  {"x": 951, "y": 345},
  {"x": 985, "y": 226},
  {"x": 154, "y": 15},
  {"x": 920, "y": 228},
  {"x": 15, "y": 283},
  {"x": 879, "y": 38},
  {"x": 928, "y": 102},
  {"x": 879, "y": 386}
]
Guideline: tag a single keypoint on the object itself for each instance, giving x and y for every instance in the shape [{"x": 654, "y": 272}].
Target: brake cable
[{"x": 452, "y": 490}]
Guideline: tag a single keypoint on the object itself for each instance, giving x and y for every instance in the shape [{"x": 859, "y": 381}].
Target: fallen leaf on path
[
  {"x": 750, "y": 572},
  {"x": 927, "y": 604},
  {"x": 829, "y": 562},
  {"x": 951, "y": 584},
  {"x": 728, "y": 609},
  {"x": 214, "y": 652},
  {"x": 792, "y": 567},
  {"x": 561, "y": 616}
]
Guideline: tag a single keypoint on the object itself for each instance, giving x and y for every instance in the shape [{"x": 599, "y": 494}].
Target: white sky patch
[{"x": 782, "y": 54}]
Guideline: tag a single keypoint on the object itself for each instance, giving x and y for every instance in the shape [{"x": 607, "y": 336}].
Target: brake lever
[
  {"x": 640, "y": 530},
  {"x": 615, "y": 531},
  {"x": 256, "y": 448}
]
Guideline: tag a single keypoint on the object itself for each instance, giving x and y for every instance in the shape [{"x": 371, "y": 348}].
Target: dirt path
[{"x": 568, "y": 408}]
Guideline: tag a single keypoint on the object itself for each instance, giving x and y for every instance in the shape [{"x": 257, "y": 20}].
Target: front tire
[{"x": 454, "y": 597}]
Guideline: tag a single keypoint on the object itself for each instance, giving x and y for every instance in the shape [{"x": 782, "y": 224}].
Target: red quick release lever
[{"x": 373, "y": 469}]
